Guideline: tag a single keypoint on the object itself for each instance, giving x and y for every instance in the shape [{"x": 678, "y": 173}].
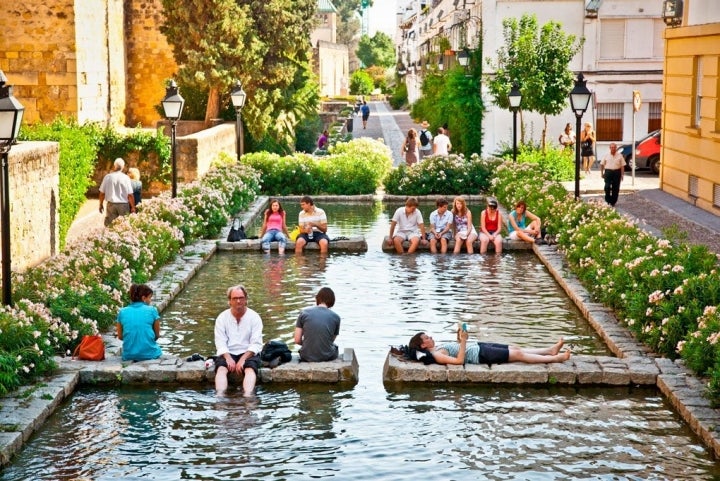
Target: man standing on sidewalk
[
  {"x": 612, "y": 169},
  {"x": 425, "y": 140},
  {"x": 117, "y": 189}
]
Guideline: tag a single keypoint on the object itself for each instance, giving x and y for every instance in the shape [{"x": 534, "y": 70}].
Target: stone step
[
  {"x": 355, "y": 243},
  {"x": 171, "y": 369},
  {"x": 507, "y": 245},
  {"x": 580, "y": 369}
]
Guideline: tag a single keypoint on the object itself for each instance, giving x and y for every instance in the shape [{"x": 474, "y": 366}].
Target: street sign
[{"x": 637, "y": 100}]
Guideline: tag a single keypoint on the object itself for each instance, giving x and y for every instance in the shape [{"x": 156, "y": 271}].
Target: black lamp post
[
  {"x": 11, "y": 112},
  {"x": 514, "y": 98},
  {"x": 441, "y": 62},
  {"x": 579, "y": 100},
  {"x": 173, "y": 104},
  {"x": 238, "y": 97}
]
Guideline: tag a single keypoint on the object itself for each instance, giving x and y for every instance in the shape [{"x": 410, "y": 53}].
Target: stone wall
[
  {"x": 149, "y": 61},
  {"x": 34, "y": 203}
]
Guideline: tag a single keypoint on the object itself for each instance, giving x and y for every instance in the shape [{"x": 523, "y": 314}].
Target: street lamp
[
  {"x": 441, "y": 62},
  {"x": 238, "y": 97},
  {"x": 173, "y": 104},
  {"x": 515, "y": 97},
  {"x": 579, "y": 100},
  {"x": 11, "y": 112},
  {"x": 463, "y": 58}
]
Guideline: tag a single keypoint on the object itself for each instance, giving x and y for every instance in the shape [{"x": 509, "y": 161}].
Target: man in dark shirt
[{"x": 316, "y": 329}]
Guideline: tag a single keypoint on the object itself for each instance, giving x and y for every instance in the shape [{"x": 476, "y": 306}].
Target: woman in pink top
[
  {"x": 465, "y": 232},
  {"x": 274, "y": 227}
]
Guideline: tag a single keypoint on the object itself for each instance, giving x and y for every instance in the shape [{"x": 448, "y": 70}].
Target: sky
[{"x": 383, "y": 17}]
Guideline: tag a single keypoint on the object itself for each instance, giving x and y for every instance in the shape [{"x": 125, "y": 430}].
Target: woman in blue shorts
[{"x": 462, "y": 352}]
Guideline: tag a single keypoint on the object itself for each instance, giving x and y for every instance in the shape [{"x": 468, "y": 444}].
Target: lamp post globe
[
  {"x": 173, "y": 104},
  {"x": 11, "y": 113},
  {"x": 238, "y": 97},
  {"x": 514, "y": 99},
  {"x": 463, "y": 58},
  {"x": 579, "y": 101}
]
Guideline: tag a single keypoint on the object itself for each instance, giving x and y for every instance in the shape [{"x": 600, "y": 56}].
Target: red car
[{"x": 647, "y": 153}]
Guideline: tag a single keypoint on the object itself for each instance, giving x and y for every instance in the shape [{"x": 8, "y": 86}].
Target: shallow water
[{"x": 371, "y": 430}]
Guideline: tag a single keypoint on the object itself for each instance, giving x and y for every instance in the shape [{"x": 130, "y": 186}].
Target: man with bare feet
[
  {"x": 238, "y": 340},
  {"x": 461, "y": 352}
]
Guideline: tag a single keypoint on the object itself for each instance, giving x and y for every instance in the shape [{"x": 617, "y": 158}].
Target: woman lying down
[{"x": 462, "y": 352}]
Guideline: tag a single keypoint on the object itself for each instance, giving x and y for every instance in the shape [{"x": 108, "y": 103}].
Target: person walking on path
[
  {"x": 426, "y": 144},
  {"x": 117, "y": 189},
  {"x": 612, "y": 169},
  {"x": 365, "y": 110},
  {"x": 587, "y": 147},
  {"x": 410, "y": 148},
  {"x": 441, "y": 144}
]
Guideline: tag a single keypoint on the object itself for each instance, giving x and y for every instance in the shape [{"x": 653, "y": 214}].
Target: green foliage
[
  {"x": 454, "y": 98},
  {"x": 264, "y": 44},
  {"x": 78, "y": 152},
  {"x": 399, "y": 98},
  {"x": 361, "y": 83},
  {"x": 355, "y": 167},
  {"x": 378, "y": 50},
  {"x": 307, "y": 134},
  {"x": 538, "y": 60},
  {"x": 666, "y": 293},
  {"x": 151, "y": 150},
  {"x": 378, "y": 75},
  {"x": 80, "y": 290},
  {"x": 442, "y": 175},
  {"x": 559, "y": 164}
]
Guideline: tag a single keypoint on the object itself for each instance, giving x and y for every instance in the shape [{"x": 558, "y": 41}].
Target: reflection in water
[{"x": 371, "y": 431}]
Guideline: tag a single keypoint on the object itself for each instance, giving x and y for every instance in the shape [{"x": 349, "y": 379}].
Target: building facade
[
  {"x": 691, "y": 124},
  {"x": 622, "y": 52}
]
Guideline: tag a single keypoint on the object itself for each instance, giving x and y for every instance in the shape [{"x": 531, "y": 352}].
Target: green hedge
[
  {"x": 442, "y": 175},
  {"x": 666, "y": 292},
  {"x": 351, "y": 168}
]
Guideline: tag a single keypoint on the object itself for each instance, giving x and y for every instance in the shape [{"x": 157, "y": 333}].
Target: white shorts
[
  {"x": 406, "y": 236},
  {"x": 514, "y": 235}
]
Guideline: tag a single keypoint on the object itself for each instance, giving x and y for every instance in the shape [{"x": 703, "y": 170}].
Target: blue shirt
[
  {"x": 520, "y": 222},
  {"x": 139, "y": 342}
]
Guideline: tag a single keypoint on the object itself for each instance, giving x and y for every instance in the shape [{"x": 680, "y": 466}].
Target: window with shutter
[
  {"x": 610, "y": 122},
  {"x": 612, "y": 39}
]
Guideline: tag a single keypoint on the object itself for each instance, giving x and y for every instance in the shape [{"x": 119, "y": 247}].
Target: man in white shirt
[
  {"x": 441, "y": 144},
  {"x": 117, "y": 189},
  {"x": 612, "y": 169},
  {"x": 238, "y": 341},
  {"x": 313, "y": 226},
  {"x": 411, "y": 228}
]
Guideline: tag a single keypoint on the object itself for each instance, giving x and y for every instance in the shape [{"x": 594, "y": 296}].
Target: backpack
[
  {"x": 237, "y": 231},
  {"x": 424, "y": 139},
  {"x": 275, "y": 352}
]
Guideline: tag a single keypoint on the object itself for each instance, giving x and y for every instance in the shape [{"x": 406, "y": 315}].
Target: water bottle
[{"x": 310, "y": 234}]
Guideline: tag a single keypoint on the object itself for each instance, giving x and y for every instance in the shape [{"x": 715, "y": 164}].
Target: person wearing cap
[
  {"x": 523, "y": 225},
  {"x": 425, "y": 137},
  {"x": 490, "y": 226},
  {"x": 117, "y": 189}
]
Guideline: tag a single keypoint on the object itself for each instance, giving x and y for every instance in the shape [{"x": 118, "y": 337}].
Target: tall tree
[
  {"x": 538, "y": 60},
  {"x": 264, "y": 44},
  {"x": 378, "y": 50}
]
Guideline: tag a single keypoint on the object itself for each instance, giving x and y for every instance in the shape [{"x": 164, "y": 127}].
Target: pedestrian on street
[
  {"x": 441, "y": 144},
  {"x": 612, "y": 169},
  {"x": 365, "y": 110},
  {"x": 117, "y": 189},
  {"x": 426, "y": 137}
]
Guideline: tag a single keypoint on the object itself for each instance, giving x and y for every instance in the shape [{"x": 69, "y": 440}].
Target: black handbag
[{"x": 237, "y": 231}]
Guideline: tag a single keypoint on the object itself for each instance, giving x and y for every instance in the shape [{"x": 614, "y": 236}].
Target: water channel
[{"x": 371, "y": 430}]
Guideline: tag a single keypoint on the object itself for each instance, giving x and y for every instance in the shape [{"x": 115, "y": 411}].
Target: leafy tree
[
  {"x": 378, "y": 50},
  {"x": 537, "y": 59},
  {"x": 361, "y": 83},
  {"x": 264, "y": 44}
]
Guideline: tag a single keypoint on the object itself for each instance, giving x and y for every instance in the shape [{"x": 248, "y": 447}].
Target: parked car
[{"x": 647, "y": 153}]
